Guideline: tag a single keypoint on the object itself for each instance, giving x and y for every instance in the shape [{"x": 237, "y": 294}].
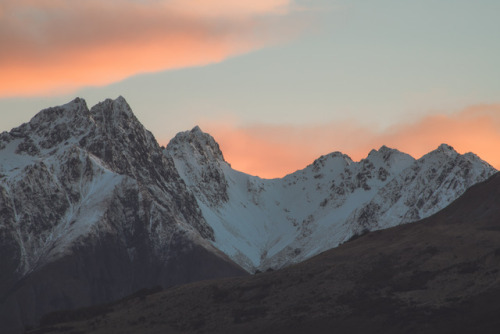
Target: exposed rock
[{"x": 92, "y": 210}]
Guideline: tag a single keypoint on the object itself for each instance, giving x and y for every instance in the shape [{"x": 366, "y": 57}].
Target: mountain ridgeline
[
  {"x": 271, "y": 223},
  {"x": 437, "y": 276},
  {"x": 93, "y": 209}
]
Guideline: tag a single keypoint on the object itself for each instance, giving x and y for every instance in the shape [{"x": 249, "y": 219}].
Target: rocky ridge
[
  {"x": 92, "y": 210},
  {"x": 271, "y": 223},
  {"x": 438, "y": 275}
]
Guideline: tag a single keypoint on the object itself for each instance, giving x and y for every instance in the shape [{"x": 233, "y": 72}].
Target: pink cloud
[
  {"x": 53, "y": 46},
  {"x": 276, "y": 150},
  {"x": 230, "y": 8}
]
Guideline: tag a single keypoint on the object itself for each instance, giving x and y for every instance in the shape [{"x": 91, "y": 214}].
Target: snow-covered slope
[
  {"x": 262, "y": 223},
  {"x": 92, "y": 210},
  {"x": 60, "y": 172}
]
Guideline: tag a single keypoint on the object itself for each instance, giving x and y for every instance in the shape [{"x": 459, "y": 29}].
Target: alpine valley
[{"x": 92, "y": 209}]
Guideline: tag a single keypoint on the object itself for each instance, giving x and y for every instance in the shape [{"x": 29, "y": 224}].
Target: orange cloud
[
  {"x": 54, "y": 46},
  {"x": 276, "y": 150},
  {"x": 230, "y": 8}
]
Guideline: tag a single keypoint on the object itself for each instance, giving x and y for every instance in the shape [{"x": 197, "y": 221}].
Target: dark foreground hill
[{"x": 440, "y": 275}]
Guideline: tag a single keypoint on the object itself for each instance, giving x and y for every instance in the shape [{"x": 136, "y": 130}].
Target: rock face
[
  {"x": 92, "y": 210},
  {"x": 438, "y": 275},
  {"x": 264, "y": 223}
]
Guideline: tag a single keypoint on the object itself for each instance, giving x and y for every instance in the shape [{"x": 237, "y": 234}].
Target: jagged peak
[
  {"x": 72, "y": 114},
  {"x": 388, "y": 154},
  {"x": 338, "y": 154},
  {"x": 195, "y": 141},
  {"x": 196, "y": 129},
  {"x": 334, "y": 155},
  {"x": 335, "y": 160},
  {"x": 383, "y": 151},
  {"x": 446, "y": 148},
  {"x": 389, "y": 158},
  {"x": 109, "y": 108},
  {"x": 77, "y": 111},
  {"x": 77, "y": 103},
  {"x": 74, "y": 108},
  {"x": 443, "y": 150},
  {"x": 116, "y": 116},
  {"x": 473, "y": 156},
  {"x": 73, "y": 122},
  {"x": 108, "y": 113}
]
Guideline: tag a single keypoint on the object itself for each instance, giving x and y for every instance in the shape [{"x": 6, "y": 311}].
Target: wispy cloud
[
  {"x": 275, "y": 150},
  {"x": 53, "y": 46}
]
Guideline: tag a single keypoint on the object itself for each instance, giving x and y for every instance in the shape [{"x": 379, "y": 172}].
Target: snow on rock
[
  {"x": 63, "y": 173},
  {"x": 74, "y": 172},
  {"x": 194, "y": 148},
  {"x": 262, "y": 223}
]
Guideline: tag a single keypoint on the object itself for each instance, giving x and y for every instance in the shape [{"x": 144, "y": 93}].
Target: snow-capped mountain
[
  {"x": 438, "y": 275},
  {"x": 262, "y": 223},
  {"x": 92, "y": 210}
]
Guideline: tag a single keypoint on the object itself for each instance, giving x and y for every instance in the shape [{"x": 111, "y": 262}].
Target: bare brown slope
[{"x": 440, "y": 275}]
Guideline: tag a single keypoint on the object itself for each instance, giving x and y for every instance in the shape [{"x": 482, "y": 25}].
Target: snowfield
[
  {"x": 271, "y": 223},
  {"x": 74, "y": 174}
]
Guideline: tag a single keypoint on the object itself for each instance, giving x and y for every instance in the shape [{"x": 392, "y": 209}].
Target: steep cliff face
[
  {"x": 263, "y": 223},
  {"x": 92, "y": 210}
]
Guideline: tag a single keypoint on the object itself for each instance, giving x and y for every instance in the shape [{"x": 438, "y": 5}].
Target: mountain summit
[
  {"x": 265, "y": 224},
  {"x": 195, "y": 144},
  {"x": 93, "y": 209}
]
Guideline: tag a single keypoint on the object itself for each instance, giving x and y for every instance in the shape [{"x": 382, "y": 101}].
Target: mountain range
[
  {"x": 440, "y": 275},
  {"x": 93, "y": 209},
  {"x": 272, "y": 223}
]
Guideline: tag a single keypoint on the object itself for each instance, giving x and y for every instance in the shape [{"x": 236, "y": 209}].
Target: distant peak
[
  {"x": 120, "y": 99},
  {"x": 77, "y": 101},
  {"x": 384, "y": 148},
  {"x": 390, "y": 157},
  {"x": 48, "y": 117},
  {"x": 122, "y": 104},
  {"x": 76, "y": 105},
  {"x": 338, "y": 154},
  {"x": 443, "y": 151},
  {"x": 445, "y": 148},
  {"x": 195, "y": 141},
  {"x": 334, "y": 155},
  {"x": 113, "y": 109},
  {"x": 335, "y": 159},
  {"x": 383, "y": 152},
  {"x": 196, "y": 129}
]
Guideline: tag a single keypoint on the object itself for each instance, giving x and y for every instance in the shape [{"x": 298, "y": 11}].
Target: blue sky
[{"x": 373, "y": 63}]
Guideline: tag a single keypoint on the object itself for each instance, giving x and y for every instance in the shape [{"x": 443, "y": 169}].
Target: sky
[{"x": 276, "y": 82}]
